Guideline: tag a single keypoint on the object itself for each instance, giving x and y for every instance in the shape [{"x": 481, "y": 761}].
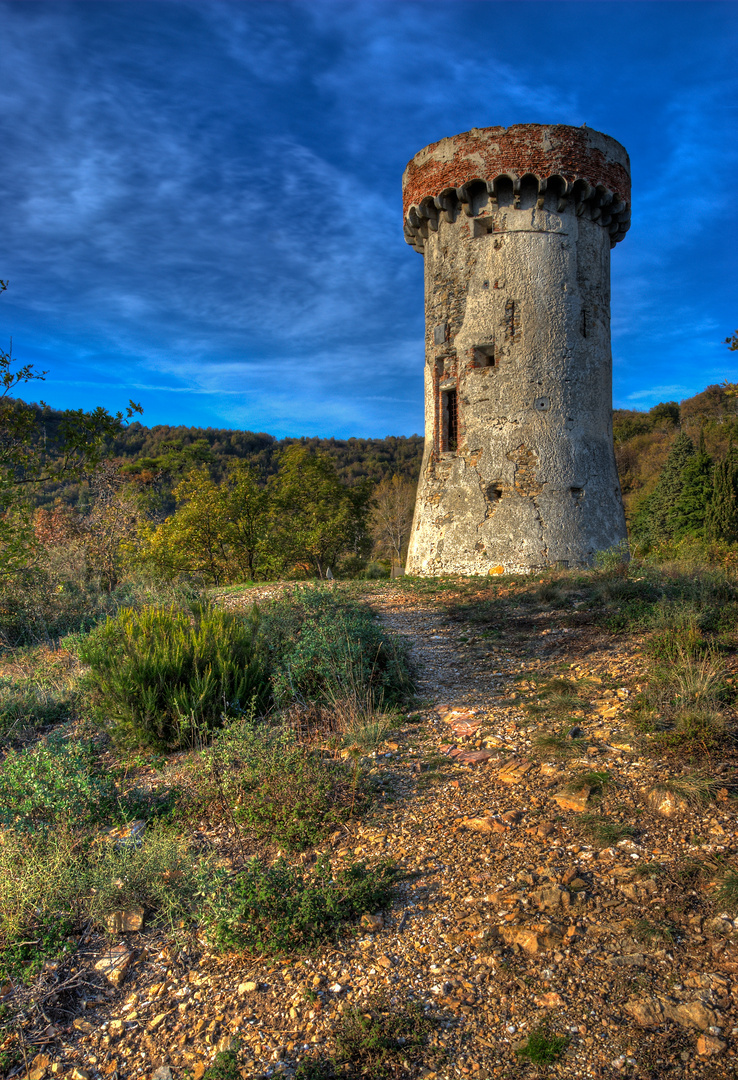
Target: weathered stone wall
[{"x": 519, "y": 470}]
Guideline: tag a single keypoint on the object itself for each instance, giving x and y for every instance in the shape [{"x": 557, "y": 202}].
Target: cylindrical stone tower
[{"x": 516, "y": 227}]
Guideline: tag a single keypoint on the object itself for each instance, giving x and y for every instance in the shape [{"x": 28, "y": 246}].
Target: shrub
[
  {"x": 52, "y": 782},
  {"x": 277, "y": 909},
  {"x": 613, "y": 560},
  {"x": 325, "y": 647},
  {"x": 272, "y": 785},
  {"x": 166, "y": 677}
]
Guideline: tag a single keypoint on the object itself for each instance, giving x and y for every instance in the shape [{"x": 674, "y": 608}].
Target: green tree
[
  {"x": 722, "y": 514},
  {"x": 687, "y": 515},
  {"x": 653, "y": 521},
  {"x": 218, "y": 531},
  {"x": 247, "y": 510},
  {"x": 315, "y": 518},
  {"x": 27, "y": 461},
  {"x": 193, "y": 539},
  {"x": 665, "y": 412}
]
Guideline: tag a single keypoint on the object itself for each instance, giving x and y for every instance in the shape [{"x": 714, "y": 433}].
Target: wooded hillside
[{"x": 642, "y": 443}]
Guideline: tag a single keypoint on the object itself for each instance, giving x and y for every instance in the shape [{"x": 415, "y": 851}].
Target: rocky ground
[{"x": 562, "y": 890}]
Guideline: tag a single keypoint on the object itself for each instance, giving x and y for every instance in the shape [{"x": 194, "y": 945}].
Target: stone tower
[{"x": 516, "y": 227}]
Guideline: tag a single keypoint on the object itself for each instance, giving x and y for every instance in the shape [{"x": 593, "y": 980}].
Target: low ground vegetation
[
  {"x": 275, "y": 766},
  {"x": 233, "y": 689}
]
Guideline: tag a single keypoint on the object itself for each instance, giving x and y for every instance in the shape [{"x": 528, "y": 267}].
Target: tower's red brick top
[{"x": 541, "y": 149}]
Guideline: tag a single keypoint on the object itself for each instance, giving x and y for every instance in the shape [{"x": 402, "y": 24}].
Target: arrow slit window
[{"x": 449, "y": 421}]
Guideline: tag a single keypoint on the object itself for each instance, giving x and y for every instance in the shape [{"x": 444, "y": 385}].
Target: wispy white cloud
[{"x": 658, "y": 393}]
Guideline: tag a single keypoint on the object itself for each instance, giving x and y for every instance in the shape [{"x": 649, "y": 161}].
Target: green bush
[
  {"x": 275, "y": 787},
  {"x": 225, "y": 1067},
  {"x": 52, "y": 782},
  {"x": 166, "y": 677},
  {"x": 277, "y": 909},
  {"x": 325, "y": 647}
]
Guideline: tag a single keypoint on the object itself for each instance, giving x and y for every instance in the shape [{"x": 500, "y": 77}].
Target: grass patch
[
  {"x": 595, "y": 781},
  {"x": 684, "y": 702},
  {"x": 157, "y": 874},
  {"x": 54, "y": 881},
  {"x": 603, "y": 831},
  {"x": 38, "y": 688},
  {"x": 59, "y": 597},
  {"x": 674, "y": 642},
  {"x": 543, "y": 1047},
  {"x": 279, "y": 909},
  {"x": 557, "y": 743},
  {"x": 650, "y": 933},
  {"x": 376, "y": 1039},
  {"x": 727, "y": 892},
  {"x": 638, "y": 596},
  {"x": 695, "y": 788},
  {"x": 650, "y": 869}
]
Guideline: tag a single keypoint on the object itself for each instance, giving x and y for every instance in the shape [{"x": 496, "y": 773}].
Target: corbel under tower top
[{"x": 577, "y": 166}]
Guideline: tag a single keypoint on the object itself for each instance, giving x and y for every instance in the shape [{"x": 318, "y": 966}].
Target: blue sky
[{"x": 200, "y": 203}]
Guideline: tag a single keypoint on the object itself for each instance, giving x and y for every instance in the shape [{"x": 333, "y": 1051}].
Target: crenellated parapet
[{"x": 546, "y": 167}]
